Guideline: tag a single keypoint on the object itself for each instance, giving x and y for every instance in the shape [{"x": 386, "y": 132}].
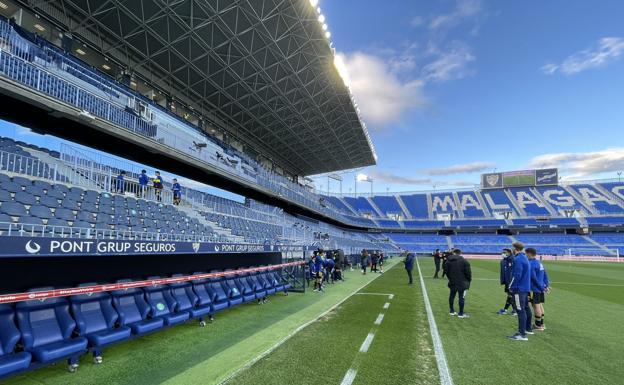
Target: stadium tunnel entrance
[{"x": 19, "y": 274}]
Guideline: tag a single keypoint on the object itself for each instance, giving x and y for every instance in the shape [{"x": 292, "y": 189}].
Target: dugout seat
[
  {"x": 96, "y": 320},
  {"x": 134, "y": 311},
  {"x": 47, "y": 328},
  {"x": 245, "y": 288},
  {"x": 267, "y": 281},
  {"x": 220, "y": 299},
  {"x": 257, "y": 285},
  {"x": 204, "y": 296},
  {"x": 231, "y": 287},
  {"x": 188, "y": 301},
  {"x": 10, "y": 360},
  {"x": 163, "y": 304}
]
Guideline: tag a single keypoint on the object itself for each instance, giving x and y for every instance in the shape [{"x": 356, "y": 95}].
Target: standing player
[
  {"x": 409, "y": 266},
  {"x": 318, "y": 270},
  {"x": 381, "y": 262},
  {"x": 539, "y": 285},
  {"x": 519, "y": 286},
  {"x": 437, "y": 259},
  {"x": 374, "y": 260},
  {"x": 364, "y": 261},
  {"x": 458, "y": 271},
  {"x": 506, "y": 264}
]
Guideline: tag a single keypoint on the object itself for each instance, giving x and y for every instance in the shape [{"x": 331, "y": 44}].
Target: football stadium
[{"x": 167, "y": 213}]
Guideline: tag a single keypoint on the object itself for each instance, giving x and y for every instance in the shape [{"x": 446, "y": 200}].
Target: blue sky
[
  {"x": 453, "y": 88},
  {"x": 483, "y": 85}
]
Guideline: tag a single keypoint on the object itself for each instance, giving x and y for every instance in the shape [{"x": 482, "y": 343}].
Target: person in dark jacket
[
  {"x": 409, "y": 266},
  {"x": 437, "y": 259},
  {"x": 506, "y": 264},
  {"x": 374, "y": 260},
  {"x": 519, "y": 286},
  {"x": 364, "y": 261},
  {"x": 459, "y": 275}
]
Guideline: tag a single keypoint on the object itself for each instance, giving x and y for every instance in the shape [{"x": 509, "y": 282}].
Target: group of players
[
  {"x": 326, "y": 267},
  {"x": 522, "y": 275}
]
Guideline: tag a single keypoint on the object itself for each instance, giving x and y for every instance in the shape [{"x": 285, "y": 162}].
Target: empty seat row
[{"x": 55, "y": 329}]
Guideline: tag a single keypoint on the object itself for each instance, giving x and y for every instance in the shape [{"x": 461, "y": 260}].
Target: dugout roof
[{"x": 261, "y": 69}]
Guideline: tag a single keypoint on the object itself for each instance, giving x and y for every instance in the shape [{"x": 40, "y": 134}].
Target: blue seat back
[
  {"x": 44, "y": 321},
  {"x": 93, "y": 312},
  {"x": 204, "y": 296},
  {"x": 130, "y": 305},
  {"x": 9, "y": 334},
  {"x": 160, "y": 300},
  {"x": 216, "y": 286},
  {"x": 183, "y": 294}
]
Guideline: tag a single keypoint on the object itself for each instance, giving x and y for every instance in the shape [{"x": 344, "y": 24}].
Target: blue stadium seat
[
  {"x": 13, "y": 209},
  {"x": 60, "y": 187},
  {"x": 5, "y": 196},
  {"x": 55, "y": 193},
  {"x": 12, "y": 187},
  {"x": 268, "y": 283},
  {"x": 43, "y": 184},
  {"x": 234, "y": 294},
  {"x": 204, "y": 296},
  {"x": 96, "y": 321},
  {"x": 64, "y": 213},
  {"x": 25, "y": 198},
  {"x": 22, "y": 181},
  {"x": 258, "y": 286},
  {"x": 163, "y": 304},
  {"x": 188, "y": 301},
  {"x": 245, "y": 288},
  {"x": 279, "y": 283},
  {"x": 49, "y": 201},
  {"x": 47, "y": 329},
  {"x": 6, "y": 223},
  {"x": 41, "y": 212},
  {"x": 10, "y": 360},
  {"x": 134, "y": 311},
  {"x": 219, "y": 296},
  {"x": 30, "y": 224}
]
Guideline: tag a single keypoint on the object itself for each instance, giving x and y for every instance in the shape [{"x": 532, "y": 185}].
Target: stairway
[
  {"x": 375, "y": 207},
  {"x": 590, "y": 208},
  {"x": 406, "y": 212},
  {"x": 515, "y": 204},
  {"x": 548, "y": 206},
  {"x": 599, "y": 245}
]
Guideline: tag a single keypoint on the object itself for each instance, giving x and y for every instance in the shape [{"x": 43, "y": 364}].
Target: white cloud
[
  {"x": 450, "y": 65},
  {"x": 464, "y": 9},
  {"x": 387, "y": 177},
  {"x": 417, "y": 21},
  {"x": 23, "y": 131},
  {"x": 382, "y": 96},
  {"x": 460, "y": 168},
  {"x": 607, "y": 50},
  {"x": 583, "y": 163}
]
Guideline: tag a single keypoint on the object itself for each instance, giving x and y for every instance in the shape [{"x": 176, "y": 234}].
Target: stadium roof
[{"x": 262, "y": 69}]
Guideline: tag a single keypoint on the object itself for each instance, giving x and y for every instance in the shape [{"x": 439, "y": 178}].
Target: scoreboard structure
[{"x": 524, "y": 178}]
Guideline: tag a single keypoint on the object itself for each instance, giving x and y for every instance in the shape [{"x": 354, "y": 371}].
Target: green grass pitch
[{"x": 582, "y": 344}]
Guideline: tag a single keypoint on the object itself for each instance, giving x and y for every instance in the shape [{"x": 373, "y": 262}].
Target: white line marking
[
  {"x": 564, "y": 283},
  {"x": 388, "y": 294},
  {"x": 386, "y": 305},
  {"x": 443, "y": 369},
  {"x": 391, "y": 296},
  {"x": 367, "y": 342},
  {"x": 289, "y": 336},
  {"x": 349, "y": 377},
  {"x": 379, "y": 319}
]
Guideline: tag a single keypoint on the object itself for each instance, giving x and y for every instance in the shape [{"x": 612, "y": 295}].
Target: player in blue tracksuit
[
  {"x": 519, "y": 286},
  {"x": 318, "y": 271},
  {"x": 409, "y": 266},
  {"x": 329, "y": 268},
  {"x": 506, "y": 265},
  {"x": 539, "y": 285},
  {"x": 311, "y": 272}
]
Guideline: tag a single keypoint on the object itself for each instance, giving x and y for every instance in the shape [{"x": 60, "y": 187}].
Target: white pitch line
[
  {"x": 388, "y": 294},
  {"x": 443, "y": 369},
  {"x": 367, "y": 342},
  {"x": 380, "y": 318},
  {"x": 349, "y": 377},
  {"x": 289, "y": 336},
  {"x": 386, "y": 305},
  {"x": 564, "y": 283}
]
